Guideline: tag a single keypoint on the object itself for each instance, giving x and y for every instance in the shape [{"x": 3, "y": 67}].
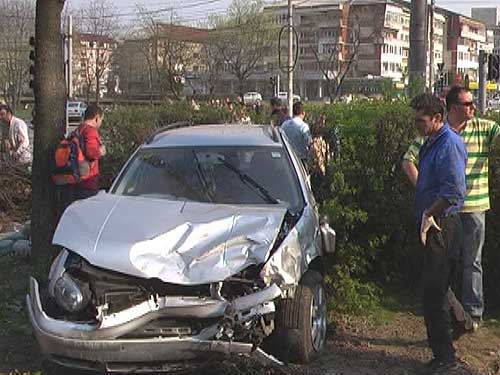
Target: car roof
[{"x": 216, "y": 135}]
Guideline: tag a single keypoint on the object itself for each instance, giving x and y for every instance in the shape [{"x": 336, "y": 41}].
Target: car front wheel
[{"x": 301, "y": 322}]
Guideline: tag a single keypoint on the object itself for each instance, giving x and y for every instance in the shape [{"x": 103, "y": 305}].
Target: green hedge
[{"x": 369, "y": 200}]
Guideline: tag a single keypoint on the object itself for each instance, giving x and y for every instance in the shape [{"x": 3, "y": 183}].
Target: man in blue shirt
[
  {"x": 298, "y": 133},
  {"x": 440, "y": 192}
]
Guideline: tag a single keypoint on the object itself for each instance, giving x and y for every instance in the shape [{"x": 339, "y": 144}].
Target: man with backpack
[{"x": 92, "y": 149}]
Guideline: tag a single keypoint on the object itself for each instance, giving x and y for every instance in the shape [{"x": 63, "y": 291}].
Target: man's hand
[{"x": 427, "y": 223}]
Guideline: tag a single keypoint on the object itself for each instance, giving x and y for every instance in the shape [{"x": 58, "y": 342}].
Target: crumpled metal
[
  {"x": 290, "y": 261},
  {"x": 177, "y": 241}
]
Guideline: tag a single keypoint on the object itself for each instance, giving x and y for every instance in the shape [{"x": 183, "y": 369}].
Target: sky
[{"x": 194, "y": 11}]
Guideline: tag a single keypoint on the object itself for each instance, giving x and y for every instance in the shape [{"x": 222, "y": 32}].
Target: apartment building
[
  {"x": 466, "y": 37},
  {"x": 158, "y": 55},
  {"x": 92, "y": 64},
  {"x": 374, "y": 34}
]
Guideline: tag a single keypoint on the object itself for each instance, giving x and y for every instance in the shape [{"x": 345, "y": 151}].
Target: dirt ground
[
  {"x": 357, "y": 345},
  {"x": 355, "y": 348}
]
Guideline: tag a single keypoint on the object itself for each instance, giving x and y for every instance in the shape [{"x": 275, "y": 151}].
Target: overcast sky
[{"x": 196, "y": 10}]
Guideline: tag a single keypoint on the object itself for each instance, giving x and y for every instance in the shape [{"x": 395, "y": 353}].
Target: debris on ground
[
  {"x": 15, "y": 240},
  {"x": 15, "y": 192}
]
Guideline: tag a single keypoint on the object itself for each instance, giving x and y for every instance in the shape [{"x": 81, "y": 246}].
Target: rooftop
[
  {"x": 217, "y": 135},
  {"x": 96, "y": 38},
  {"x": 183, "y": 33}
]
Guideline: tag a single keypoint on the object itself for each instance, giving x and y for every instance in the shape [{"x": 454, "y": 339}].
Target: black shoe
[
  {"x": 433, "y": 363},
  {"x": 450, "y": 366}
]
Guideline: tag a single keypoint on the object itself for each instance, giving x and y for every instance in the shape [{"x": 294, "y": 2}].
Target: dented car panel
[
  {"x": 286, "y": 266},
  {"x": 162, "y": 281},
  {"x": 178, "y": 242}
]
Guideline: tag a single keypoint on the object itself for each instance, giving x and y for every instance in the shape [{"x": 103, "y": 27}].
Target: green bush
[{"x": 369, "y": 200}]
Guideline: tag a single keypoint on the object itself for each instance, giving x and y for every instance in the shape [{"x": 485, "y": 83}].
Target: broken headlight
[{"x": 70, "y": 294}]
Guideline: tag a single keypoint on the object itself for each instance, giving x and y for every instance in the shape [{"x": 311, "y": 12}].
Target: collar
[
  {"x": 462, "y": 128},
  {"x": 433, "y": 138}
]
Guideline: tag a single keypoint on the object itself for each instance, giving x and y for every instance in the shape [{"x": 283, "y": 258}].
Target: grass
[{"x": 14, "y": 276}]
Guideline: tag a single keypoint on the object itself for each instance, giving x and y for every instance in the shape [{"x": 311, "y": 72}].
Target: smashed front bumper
[{"x": 95, "y": 347}]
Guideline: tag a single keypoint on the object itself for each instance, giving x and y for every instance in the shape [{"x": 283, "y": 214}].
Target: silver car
[{"x": 208, "y": 243}]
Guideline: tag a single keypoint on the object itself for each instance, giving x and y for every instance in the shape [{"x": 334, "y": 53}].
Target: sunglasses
[{"x": 467, "y": 104}]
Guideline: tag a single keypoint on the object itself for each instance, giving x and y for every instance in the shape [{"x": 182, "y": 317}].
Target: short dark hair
[
  {"x": 452, "y": 96},
  {"x": 297, "y": 108},
  {"x": 92, "y": 111},
  {"x": 6, "y": 108},
  {"x": 429, "y": 104},
  {"x": 276, "y": 102}
]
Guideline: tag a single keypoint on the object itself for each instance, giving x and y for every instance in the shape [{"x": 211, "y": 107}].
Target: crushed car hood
[{"x": 179, "y": 242}]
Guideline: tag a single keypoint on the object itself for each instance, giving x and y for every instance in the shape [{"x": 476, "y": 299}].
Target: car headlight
[{"x": 72, "y": 295}]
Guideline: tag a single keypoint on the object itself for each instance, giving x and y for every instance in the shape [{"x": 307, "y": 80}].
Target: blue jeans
[{"x": 473, "y": 233}]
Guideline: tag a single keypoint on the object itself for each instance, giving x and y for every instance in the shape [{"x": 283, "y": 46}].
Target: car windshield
[
  {"x": 225, "y": 175},
  {"x": 71, "y": 105}
]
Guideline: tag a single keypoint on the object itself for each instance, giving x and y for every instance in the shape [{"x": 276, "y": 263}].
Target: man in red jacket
[{"x": 92, "y": 149}]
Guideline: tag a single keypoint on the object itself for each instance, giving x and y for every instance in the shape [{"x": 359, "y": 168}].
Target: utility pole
[
  {"x": 418, "y": 52},
  {"x": 70, "y": 57},
  {"x": 431, "y": 45},
  {"x": 290, "y": 58},
  {"x": 482, "y": 81},
  {"x": 278, "y": 84}
]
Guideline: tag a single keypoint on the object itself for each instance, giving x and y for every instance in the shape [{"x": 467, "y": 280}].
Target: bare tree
[
  {"x": 242, "y": 38},
  {"x": 214, "y": 67},
  {"x": 167, "y": 51},
  {"x": 94, "y": 45},
  {"x": 50, "y": 121},
  {"x": 16, "y": 26},
  {"x": 335, "y": 60},
  {"x": 133, "y": 62}
]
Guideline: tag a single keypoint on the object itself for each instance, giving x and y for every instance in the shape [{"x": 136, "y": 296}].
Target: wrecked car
[{"x": 207, "y": 243}]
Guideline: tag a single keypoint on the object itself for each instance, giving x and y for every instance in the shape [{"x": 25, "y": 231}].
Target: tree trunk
[
  {"x": 50, "y": 116},
  {"x": 97, "y": 90}
]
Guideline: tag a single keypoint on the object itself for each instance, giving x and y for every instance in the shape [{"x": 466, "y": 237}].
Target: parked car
[
  {"x": 283, "y": 95},
  {"x": 494, "y": 102},
  {"x": 251, "y": 98},
  {"x": 207, "y": 243},
  {"x": 76, "y": 110}
]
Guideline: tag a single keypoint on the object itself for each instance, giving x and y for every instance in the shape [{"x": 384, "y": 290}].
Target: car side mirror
[{"x": 328, "y": 235}]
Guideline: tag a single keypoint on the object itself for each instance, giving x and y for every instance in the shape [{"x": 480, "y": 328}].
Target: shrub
[{"x": 368, "y": 198}]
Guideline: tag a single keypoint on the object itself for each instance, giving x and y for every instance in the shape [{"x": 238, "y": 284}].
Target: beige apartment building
[
  {"x": 149, "y": 61},
  {"x": 92, "y": 64}
]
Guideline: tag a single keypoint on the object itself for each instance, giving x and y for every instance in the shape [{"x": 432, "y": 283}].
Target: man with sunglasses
[{"x": 479, "y": 135}]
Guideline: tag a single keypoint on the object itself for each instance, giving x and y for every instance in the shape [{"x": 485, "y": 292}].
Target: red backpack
[{"x": 70, "y": 164}]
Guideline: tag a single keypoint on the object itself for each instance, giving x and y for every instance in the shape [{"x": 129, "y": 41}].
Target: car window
[{"x": 225, "y": 175}]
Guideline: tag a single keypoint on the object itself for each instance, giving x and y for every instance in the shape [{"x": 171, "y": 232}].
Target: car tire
[{"x": 301, "y": 322}]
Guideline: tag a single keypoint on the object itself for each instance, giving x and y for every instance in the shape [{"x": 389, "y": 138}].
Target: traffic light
[
  {"x": 272, "y": 81},
  {"x": 32, "y": 66},
  {"x": 493, "y": 67}
]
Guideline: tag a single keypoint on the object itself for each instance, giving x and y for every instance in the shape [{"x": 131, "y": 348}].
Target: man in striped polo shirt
[{"x": 479, "y": 135}]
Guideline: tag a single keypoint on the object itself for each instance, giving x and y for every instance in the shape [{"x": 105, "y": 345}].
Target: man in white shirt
[
  {"x": 298, "y": 133},
  {"x": 19, "y": 142}
]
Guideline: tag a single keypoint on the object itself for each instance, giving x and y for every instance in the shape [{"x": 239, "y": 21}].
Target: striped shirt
[{"x": 478, "y": 136}]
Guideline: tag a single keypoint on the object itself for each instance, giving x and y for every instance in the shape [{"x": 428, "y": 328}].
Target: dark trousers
[
  {"x": 69, "y": 193},
  {"x": 440, "y": 264}
]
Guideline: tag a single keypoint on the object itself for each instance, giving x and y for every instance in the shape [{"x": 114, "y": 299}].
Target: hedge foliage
[{"x": 369, "y": 201}]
